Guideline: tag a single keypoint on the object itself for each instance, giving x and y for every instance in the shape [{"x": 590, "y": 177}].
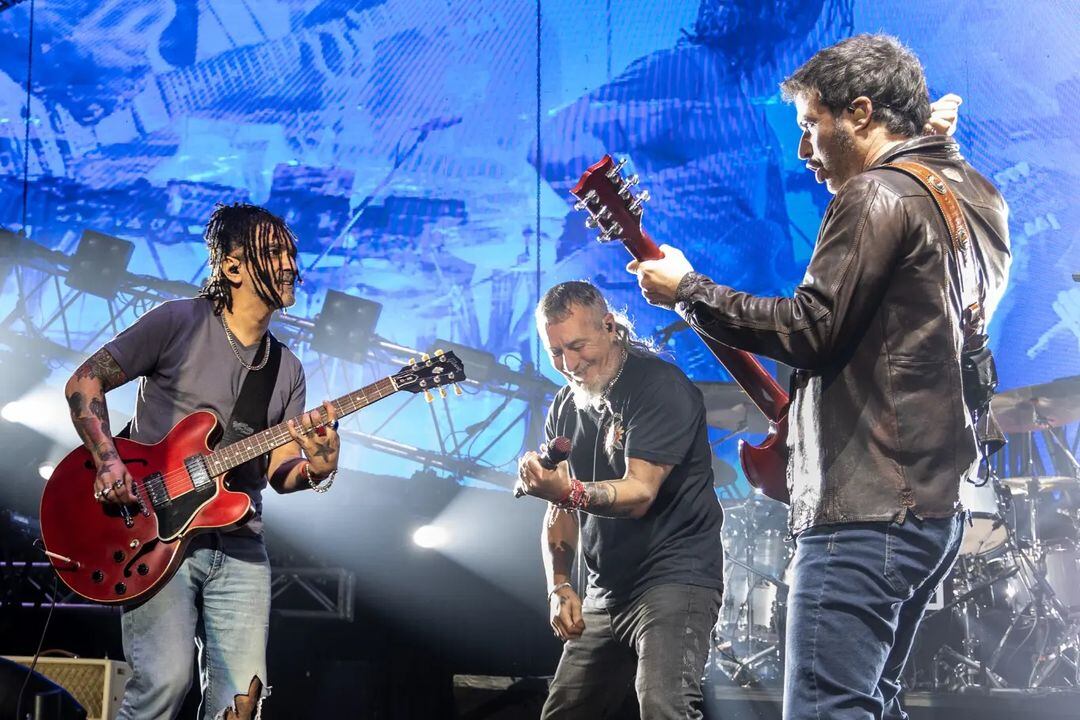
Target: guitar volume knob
[
  {"x": 120, "y": 588},
  {"x": 97, "y": 576}
]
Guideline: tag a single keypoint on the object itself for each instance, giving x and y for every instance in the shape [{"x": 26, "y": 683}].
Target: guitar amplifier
[{"x": 98, "y": 685}]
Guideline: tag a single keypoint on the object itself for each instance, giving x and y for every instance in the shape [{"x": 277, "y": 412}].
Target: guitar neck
[
  {"x": 238, "y": 453},
  {"x": 759, "y": 385}
]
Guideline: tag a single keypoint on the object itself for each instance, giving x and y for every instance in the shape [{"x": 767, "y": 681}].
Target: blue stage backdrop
[{"x": 423, "y": 152}]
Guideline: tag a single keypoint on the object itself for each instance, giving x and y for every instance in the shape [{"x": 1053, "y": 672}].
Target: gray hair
[
  {"x": 559, "y": 301},
  {"x": 879, "y": 67}
]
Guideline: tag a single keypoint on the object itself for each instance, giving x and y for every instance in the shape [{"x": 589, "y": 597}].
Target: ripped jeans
[
  {"x": 228, "y": 574},
  {"x": 660, "y": 640}
]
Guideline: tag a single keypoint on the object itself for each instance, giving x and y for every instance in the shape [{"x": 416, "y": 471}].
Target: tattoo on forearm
[
  {"x": 562, "y": 556},
  {"x": 91, "y": 422},
  {"x": 602, "y": 499},
  {"x": 98, "y": 410},
  {"x": 102, "y": 366}
]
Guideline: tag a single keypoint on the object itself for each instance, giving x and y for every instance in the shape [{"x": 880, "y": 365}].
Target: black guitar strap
[{"x": 249, "y": 413}]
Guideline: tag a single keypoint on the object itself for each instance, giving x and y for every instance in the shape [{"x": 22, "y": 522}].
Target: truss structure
[
  {"x": 48, "y": 321},
  {"x": 300, "y": 592}
]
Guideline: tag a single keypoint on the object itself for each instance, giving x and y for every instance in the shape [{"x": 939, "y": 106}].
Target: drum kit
[{"x": 1008, "y": 616}]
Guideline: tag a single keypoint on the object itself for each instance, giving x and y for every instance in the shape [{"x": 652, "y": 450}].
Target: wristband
[
  {"x": 559, "y": 587},
  {"x": 321, "y": 486}
]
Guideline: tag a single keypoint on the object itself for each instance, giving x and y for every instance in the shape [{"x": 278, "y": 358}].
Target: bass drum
[{"x": 987, "y": 532}]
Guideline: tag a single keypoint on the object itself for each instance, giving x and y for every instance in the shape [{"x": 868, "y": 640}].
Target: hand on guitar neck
[{"x": 659, "y": 279}]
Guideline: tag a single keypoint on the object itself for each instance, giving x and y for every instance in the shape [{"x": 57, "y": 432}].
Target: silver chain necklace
[{"x": 236, "y": 349}]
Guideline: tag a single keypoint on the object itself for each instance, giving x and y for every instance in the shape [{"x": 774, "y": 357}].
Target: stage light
[
  {"x": 15, "y": 412},
  {"x": 480, "y": 366},
  {"x": 345, "y": 326},
  {"x": 99, "y": 264},
  {"x": 45, "y": 470},
  {"x": 431, "y": 536}
]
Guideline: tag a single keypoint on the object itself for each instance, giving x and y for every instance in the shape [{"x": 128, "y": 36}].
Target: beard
[{"x": 586, "y": 397}]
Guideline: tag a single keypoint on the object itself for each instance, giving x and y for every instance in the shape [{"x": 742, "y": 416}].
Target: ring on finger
[
  {"x": 118, "y": 484},
  {"x": 98, "y": 495}
]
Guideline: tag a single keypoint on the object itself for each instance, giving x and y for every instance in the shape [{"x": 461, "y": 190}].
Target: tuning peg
[
  {"x": 591, "y": 223},
  {"x": 412, "y": 361},
  {"x": 584, "y": 202},
  {"x": 428, "y": 396},
  {"x": 624, "y": 187},
  {"x": 635, "y": 207},
  {"x": 457, "y": 390},
  {"x": 611, "y": 233},
  {"x": 439, "y": 352},
  {"x": 442, "y": 393},
  {"x": 425, "y": 357},
  {"x": 614, "y": 171}
]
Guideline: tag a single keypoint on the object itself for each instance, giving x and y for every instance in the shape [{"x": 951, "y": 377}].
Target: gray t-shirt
[{"x": 183, "y": 359}]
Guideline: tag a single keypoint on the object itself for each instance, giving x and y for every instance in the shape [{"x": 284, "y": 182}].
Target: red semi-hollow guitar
[
  {"x": 112, "y": 553},
  {"x": 605, "y": 194}
]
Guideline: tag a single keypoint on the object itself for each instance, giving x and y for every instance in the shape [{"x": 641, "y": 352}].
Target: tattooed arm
[
  {"x": 628, "y": 497},
  {"x": 85, "y": 392},
  {"x": 558, "y": 543}
]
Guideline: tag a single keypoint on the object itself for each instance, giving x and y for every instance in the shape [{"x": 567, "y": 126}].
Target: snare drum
[{"x": 987, "y": 531}]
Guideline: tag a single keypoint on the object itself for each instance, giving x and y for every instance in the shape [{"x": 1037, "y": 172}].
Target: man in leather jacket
[{"x": 879, "y": 437}]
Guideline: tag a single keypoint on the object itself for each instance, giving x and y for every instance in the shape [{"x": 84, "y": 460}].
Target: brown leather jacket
[{"x": 878, "y": 424}]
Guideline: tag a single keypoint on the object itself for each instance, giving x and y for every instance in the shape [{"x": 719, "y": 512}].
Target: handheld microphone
[{"x": 551, "y": 454}]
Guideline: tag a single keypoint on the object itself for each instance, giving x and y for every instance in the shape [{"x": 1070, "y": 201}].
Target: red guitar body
[
  {"x": 604, "y": 192},
  {"x": 111, "y": 554}
]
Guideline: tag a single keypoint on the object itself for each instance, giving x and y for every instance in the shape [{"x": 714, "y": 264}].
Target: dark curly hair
[
  {"x": 250, "y": 230},
  {"x": 879, "y": 67}
]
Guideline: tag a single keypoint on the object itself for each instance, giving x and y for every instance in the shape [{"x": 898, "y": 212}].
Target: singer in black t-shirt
[{"x": 638, "y": 489}]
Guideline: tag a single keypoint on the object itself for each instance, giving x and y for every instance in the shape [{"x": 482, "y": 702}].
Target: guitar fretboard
[{"x": 239, "y": 452}]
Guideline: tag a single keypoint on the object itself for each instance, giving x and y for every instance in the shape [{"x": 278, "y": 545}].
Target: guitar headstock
[
  {"x": 431, "y": 373},
  {"x": 605, "y": 193}
]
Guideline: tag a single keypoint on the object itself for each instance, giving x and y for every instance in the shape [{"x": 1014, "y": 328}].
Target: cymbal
[
  {"x": 729, "y": 408},
  {"x": 1019, "y": 485},
  {"x": 1027, "y": 409}
]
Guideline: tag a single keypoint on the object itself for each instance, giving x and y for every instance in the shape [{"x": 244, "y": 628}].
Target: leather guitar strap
[{"x": 972, "y": 291}]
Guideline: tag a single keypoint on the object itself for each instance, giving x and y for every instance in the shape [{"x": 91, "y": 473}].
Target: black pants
[{"x": 660, "y": 640}]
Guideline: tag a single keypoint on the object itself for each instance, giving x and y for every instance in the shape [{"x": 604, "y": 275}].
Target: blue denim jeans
[
  {"x": 660, "y": 640},
  {"x": 217, "y": 605},
  {"x": 858, "y": 593}
]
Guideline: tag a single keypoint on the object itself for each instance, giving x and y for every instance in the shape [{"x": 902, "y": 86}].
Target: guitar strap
[
  {"x": 978, "y": 370},
  {"x": 249, "y": 412}
]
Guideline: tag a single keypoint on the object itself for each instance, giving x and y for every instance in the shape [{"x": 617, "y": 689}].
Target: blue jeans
[
  {"x": 660, "y": 640},
  {"x": 858, "y": 593},
  {"x": 230, "y": 574}
]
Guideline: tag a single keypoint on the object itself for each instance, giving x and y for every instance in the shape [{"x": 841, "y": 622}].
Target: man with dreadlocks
[
  {"x": 638, "y": 486},
  {"x": 191, "y": 355}
]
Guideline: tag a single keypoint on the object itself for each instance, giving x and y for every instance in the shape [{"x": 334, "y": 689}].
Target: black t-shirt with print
[{"x": 658, "y": 415}]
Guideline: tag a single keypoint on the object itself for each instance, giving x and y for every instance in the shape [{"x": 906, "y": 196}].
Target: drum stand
[
  {"x": 966, "y": 671},
  {"x": 1046, "y": 610},
  {"x": 742, "y": 671}
]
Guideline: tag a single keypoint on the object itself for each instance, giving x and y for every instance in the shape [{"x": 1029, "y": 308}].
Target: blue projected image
[{"x": 401, "y": 140}]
